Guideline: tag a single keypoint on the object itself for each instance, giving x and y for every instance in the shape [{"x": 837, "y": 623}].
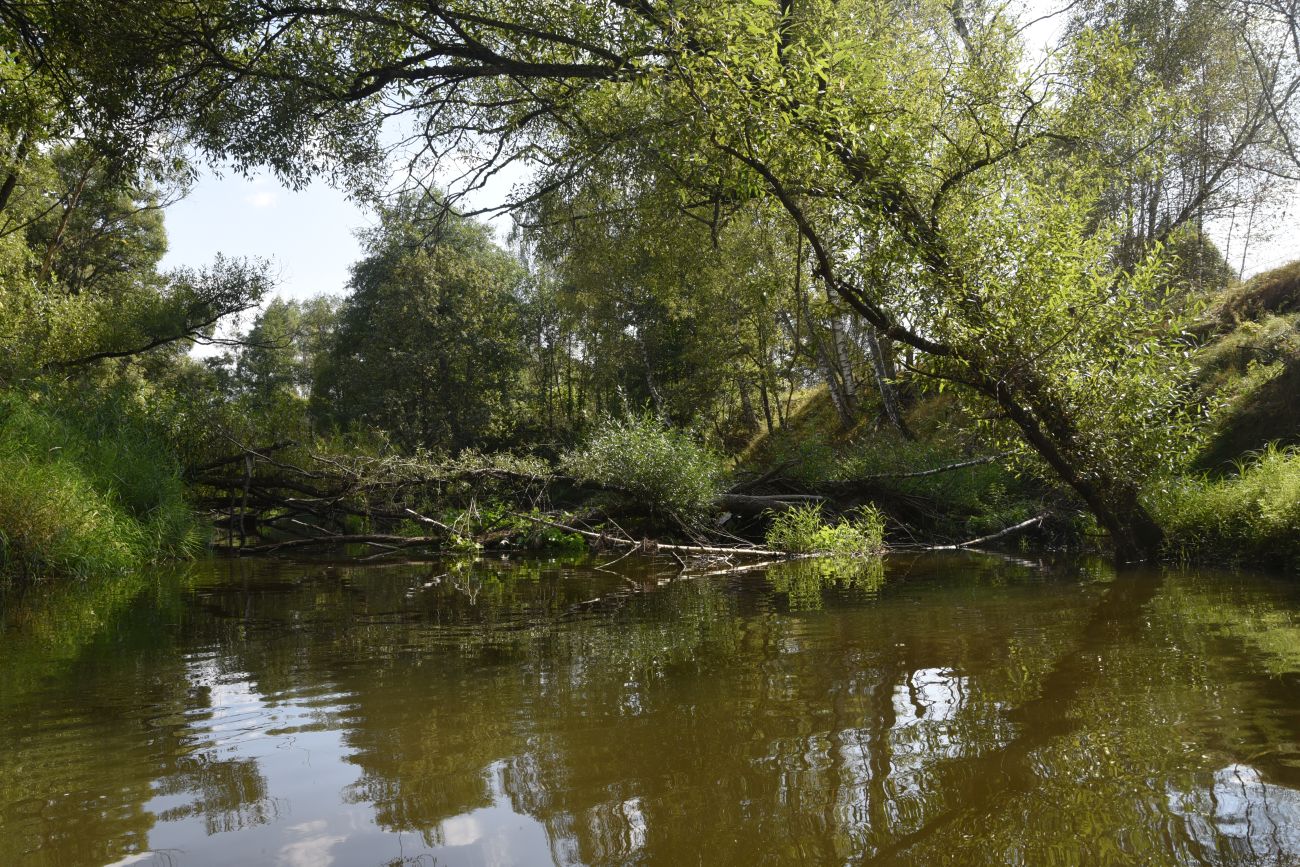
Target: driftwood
[
  {"x": 647, "y": 546},
  {"x": 946, "y": 468},
  {"x": 312, "y": 497},
  {"x": 1008, "y": 531},
  {"x": 378, "y": 539}
]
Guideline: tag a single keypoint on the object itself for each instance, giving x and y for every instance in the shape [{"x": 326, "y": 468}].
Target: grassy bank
[
  {"x": 86, "y": 492},
  {"x": 1240, "y": 499},
  {"x": 1251, "y": 516}
]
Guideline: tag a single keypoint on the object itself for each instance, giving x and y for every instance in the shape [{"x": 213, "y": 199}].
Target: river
[{"x": 964, "y": 709}]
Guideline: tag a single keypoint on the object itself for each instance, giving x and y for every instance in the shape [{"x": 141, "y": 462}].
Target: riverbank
[{"x": 87, "y": 492}]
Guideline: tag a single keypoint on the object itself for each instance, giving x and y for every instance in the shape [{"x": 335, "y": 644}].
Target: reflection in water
[
  {"x": 944, "y": 711},
  {"x": 1240, "y": 819}
]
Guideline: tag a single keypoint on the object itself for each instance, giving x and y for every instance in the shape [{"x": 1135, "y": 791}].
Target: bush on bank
[{"x": 663, "y": 466}]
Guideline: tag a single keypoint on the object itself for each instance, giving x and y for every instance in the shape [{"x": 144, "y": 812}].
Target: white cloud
[
  {"x": 461, "y": 830},
  {"x": 261, "y": 199},
  {"x": 312, "y": 852}
]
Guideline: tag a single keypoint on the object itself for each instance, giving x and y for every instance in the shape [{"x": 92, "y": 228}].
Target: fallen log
[
  {"x": 757, "y": 504},
  {"x": 971, "y": 543},
  {"x": 650, "y": 547},
  {"x": 379, "y": 539}
]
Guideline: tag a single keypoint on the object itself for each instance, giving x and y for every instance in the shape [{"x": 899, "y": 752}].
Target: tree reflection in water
[{"x": 960, "y": 710}]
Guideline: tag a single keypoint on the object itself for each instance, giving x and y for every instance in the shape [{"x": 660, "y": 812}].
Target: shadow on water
[{"x": 932, "y": 710}]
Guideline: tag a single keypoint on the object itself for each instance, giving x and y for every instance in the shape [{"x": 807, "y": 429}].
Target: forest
[{"x": 782, "y": 276}]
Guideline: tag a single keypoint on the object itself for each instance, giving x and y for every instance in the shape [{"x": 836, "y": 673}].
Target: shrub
[
  {"x": 664, "y": 467},
  {"x": 800, "y": 530}
]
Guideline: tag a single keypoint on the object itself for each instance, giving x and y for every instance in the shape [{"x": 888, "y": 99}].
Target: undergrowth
[
  {"x": 1252, "y": 516},
  {"x": 86, "y": 492},
  {"x": 971, "y": 501}
]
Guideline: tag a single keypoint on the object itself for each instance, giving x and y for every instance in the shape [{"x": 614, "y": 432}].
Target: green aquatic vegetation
[{"x": 801, "y": 530}]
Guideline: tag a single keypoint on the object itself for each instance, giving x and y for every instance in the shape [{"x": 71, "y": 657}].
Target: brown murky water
[{"x": 963, "y": 710}]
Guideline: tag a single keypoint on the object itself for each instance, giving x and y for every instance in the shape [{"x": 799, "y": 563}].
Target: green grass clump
[
  {"x": 801, "y": 530},
  {"x": 665, "y": 468},
  {"x": 1250, "y": 517},
  {"x": 85, "y": 493}
]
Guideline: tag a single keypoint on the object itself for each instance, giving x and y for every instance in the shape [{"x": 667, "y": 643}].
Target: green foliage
[
  {"x": 534, "y": 535},
  {"x": 83, "y": 238},
  {"x": 647, "y": 289},
  {"x": 959, "y": 504},
  {"x": 1030, "y": 231},
  {"x": 801, "y": 530},
  {"x": 285, "y": 348},
  {"x": 85, "y": 494},
  {"x": 427, "y": 346},
  {"x": 1250, "y": 517},
  {"x": 664, "y": 468}
]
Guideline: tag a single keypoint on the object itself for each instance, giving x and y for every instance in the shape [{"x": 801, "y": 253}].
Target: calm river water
[{"x": 948, "y": 710}]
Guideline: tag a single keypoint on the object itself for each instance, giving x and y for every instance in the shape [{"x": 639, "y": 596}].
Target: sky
[{"x": 309, "y": 235}]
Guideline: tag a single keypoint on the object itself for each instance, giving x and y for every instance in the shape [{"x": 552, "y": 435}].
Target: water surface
[{"x": 943, "y": 710}]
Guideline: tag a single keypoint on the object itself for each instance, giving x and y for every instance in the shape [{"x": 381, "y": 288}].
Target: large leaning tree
[{"x": 954, "y": 190}]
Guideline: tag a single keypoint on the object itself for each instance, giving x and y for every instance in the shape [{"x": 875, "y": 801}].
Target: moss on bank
[{"x": 86, "y": 492}]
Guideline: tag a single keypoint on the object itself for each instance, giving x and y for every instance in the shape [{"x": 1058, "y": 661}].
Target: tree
[
  {"x": 428, "y": 346},
  {"x": 669, "y": 304},
  {"x": 1213, "y": 102},
  {"x": 284, "y": 350},
  {"x": 80, "y": 245},
  {"x": 948, "y": 191}
]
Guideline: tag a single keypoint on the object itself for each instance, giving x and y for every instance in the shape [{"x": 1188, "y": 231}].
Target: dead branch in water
[
  {"x": 647, "y": 546},
  {"x": 971, "y": 543},
  {"x": 377, "y": 539}
]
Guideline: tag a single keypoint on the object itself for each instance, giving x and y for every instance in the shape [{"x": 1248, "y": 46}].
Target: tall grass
[
  {"x": 801, "y": 530},
  {"x": 85, "y": 492},
  {"x": 1252, "y": 516}
]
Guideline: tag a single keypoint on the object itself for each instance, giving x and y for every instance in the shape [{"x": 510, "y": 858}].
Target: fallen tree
[{"x": 285, "y": 497}]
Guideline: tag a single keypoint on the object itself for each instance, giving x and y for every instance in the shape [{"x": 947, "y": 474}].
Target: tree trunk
[
  {"x": 826, "y": 365},
  {"x": 767, "y": 404},
  {"x": 1113, "y": 502},
  {"x": 1046, "y": 426},
  {"x": 885, "y": 381},
  {"x": 47, "y": 264},
  {"x": 843, "y": 358},
  {"x": 11, "y": 179}
]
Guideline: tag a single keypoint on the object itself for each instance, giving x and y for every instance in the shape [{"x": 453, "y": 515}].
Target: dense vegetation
[{"x": 772, "y": 262}]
